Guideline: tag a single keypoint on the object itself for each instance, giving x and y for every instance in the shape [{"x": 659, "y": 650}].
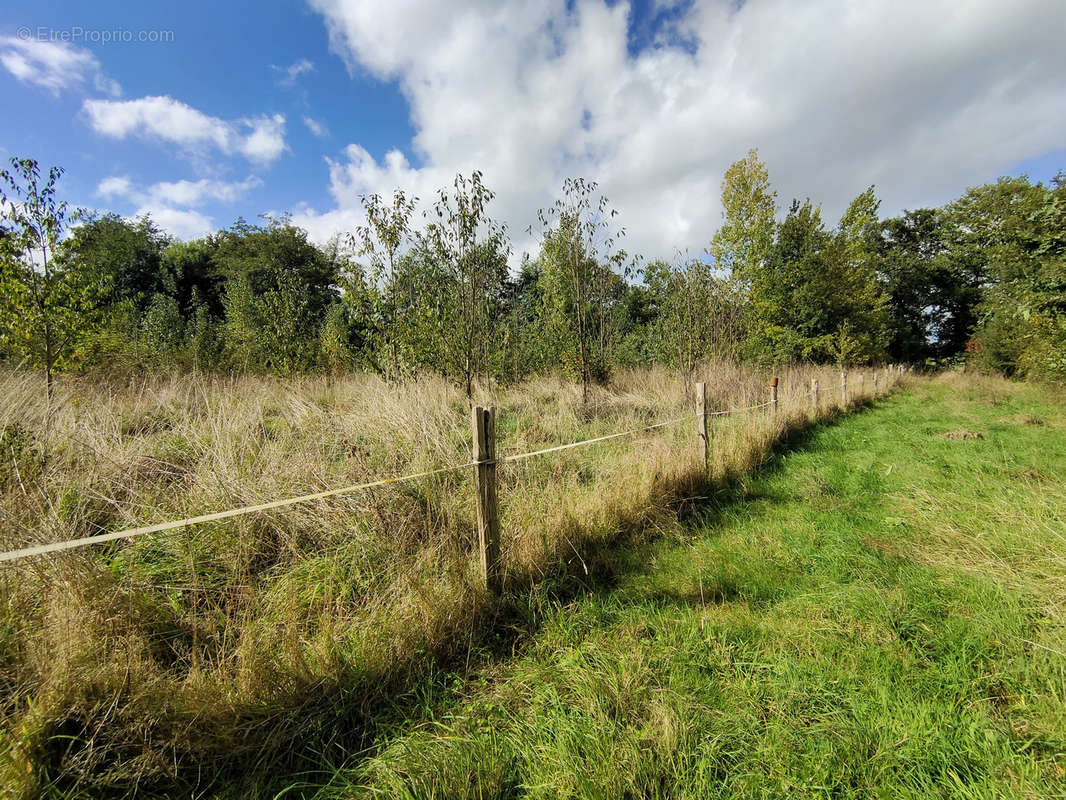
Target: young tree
[
  {"x": 749, "y": 205},
  {"x": 688, "y": 314},
  {"x": 581, "y": 259},
  {"x": 472, "y": 248},
  {"x": 45, "y": 305},
  {"x": 381, "y": 242},
  {"x": 279, "y": 288},
  {"x": 522, "y": 348}
]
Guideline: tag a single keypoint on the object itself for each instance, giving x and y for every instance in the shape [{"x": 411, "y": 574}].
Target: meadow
[
  {"x": 877, "y": 611},
  {"x": 228, "y": 654}
]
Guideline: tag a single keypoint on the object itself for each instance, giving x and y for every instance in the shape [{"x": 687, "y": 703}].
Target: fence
[{"x": 484, "y": 462}]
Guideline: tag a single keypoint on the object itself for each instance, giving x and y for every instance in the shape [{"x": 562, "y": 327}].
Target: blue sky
[
  {"x": 653, "y": 99},
  {"x": 227, "y": 60}
]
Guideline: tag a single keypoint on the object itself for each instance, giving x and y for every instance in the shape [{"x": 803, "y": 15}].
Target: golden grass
[{"x": 159, "y": 660}]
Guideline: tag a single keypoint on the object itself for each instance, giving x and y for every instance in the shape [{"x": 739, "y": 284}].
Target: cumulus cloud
[
  {"x": 162, "y": 118},
  {"x": 115, "y": 186},
  {"x": 56, "y": 66},
  {"x": 162, "y": 201},
  {"x": 183, "y": 223},
  {"x": 921, "y": 99}
]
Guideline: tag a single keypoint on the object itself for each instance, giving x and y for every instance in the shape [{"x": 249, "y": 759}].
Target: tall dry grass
[{"x": 268, "y": 640}]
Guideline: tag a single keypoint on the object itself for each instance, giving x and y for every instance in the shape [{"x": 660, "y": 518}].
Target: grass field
[
  {"x": 878, "y": 612},
  {"x": 230, "y": 656}
]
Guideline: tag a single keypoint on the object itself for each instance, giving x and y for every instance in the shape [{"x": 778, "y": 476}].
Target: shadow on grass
[
  {"x": 590, "y": 569},
  {"x": 327, "y": 726}
]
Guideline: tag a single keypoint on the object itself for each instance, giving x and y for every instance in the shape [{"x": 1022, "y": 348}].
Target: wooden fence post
[
  {"x": 875, "y": 383},
  {"x": 773, "y": 394},
  {"x": 488, "y": 518},
  {"x": 843, "y": 388},
  {"x": 701, "y": 422},
  {"x": 814, "y": 395},
  {"x": 862, "y": 384}
]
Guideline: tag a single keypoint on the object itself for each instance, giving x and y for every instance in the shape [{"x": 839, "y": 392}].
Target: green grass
[{"x": 877, "y": 613}]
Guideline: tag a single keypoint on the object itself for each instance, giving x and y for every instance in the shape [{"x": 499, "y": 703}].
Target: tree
[
  {"x": 698, "y": 314},
  {"x": 125, "y": 256},
  {"x": 279, "y": 288},
  {"x": 580, "y": 257},
  {"x": 522, "y": 347},
  {"x": 1012, "y": 233},
  {"x": 472, "y": 248},
  {"x": 814, "y": 299},
  {"x": 163, "y": 331},
  {"x": 274, "y": 253},
  {"x": 198, "y": 278},
  {"x": 933, "y": 293},
  {"x": 45, "y": 306},
  {"x": 380, "y": 242},
  {"x": 742, "y": 245}
]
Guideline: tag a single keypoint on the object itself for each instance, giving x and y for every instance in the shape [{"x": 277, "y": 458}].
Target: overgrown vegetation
[
  {"x": 253, "y": 364},
  {"x": 980, "y": 278},
  {"x": 268, "y": 644},
  {"x": 877, "y": 613}
]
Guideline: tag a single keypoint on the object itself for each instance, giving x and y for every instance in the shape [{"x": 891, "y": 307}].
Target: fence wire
[{"x": 71, "y": 544}]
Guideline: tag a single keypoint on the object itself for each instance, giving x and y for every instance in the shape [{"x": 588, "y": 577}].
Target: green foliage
[
  {"x": 243, "y": 322},
  {"x": 471, "y": 250},
  {"x": 290, "y": 325},
  {"x": 523, "y": 346},
  {"x": 698, "y": 314},
  {"x": 380, "y": 243},
  {"x": 124, "y": 258},
  {"x": 581, "y": 257},
  {"x": 202, "y": 334},
  {"x": 743, "y": 243},
  {"x": 340, "y": 353},
  {"x": 817, "y": 297},
  {"x": 277, "y": 330},
  {"x": 163, "y": 331},
  {"x": 278, "y": 290},
  {"x": 1015, "y": 234},
  {"x": 984, "y": 277},
  {"x": 47, "y": 305}
]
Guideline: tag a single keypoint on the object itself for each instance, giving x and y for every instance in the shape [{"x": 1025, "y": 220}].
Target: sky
[{"x": 199, "y": 113}]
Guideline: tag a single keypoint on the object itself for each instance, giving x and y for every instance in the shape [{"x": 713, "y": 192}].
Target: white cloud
[
  {"x": 192, "y": 193},
  {"x": 56, "y": 66},
  {"x": 266, "y": 141},
  {"x": 115, "y": 186},
  {"x": 260, "y": 139},
  {"x": 290, "y": 73},
  {"x": 316, "y": 127},
  {"x": 183, "y": 223},
  {"x": 162, "y": 201},
  {"x": 921, "y": 99}
]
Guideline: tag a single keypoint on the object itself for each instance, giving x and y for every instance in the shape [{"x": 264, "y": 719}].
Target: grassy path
[{"x": 879, "y": 613}]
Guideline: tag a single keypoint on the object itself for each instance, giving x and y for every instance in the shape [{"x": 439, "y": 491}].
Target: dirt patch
[
  {"x": 1032, "y": 475},
  {"x": 963, "y": 434},
  {"x": 1024, "y": 419}
]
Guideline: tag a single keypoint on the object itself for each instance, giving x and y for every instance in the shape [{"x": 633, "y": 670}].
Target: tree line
[{"x": 981, "y": 278}]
